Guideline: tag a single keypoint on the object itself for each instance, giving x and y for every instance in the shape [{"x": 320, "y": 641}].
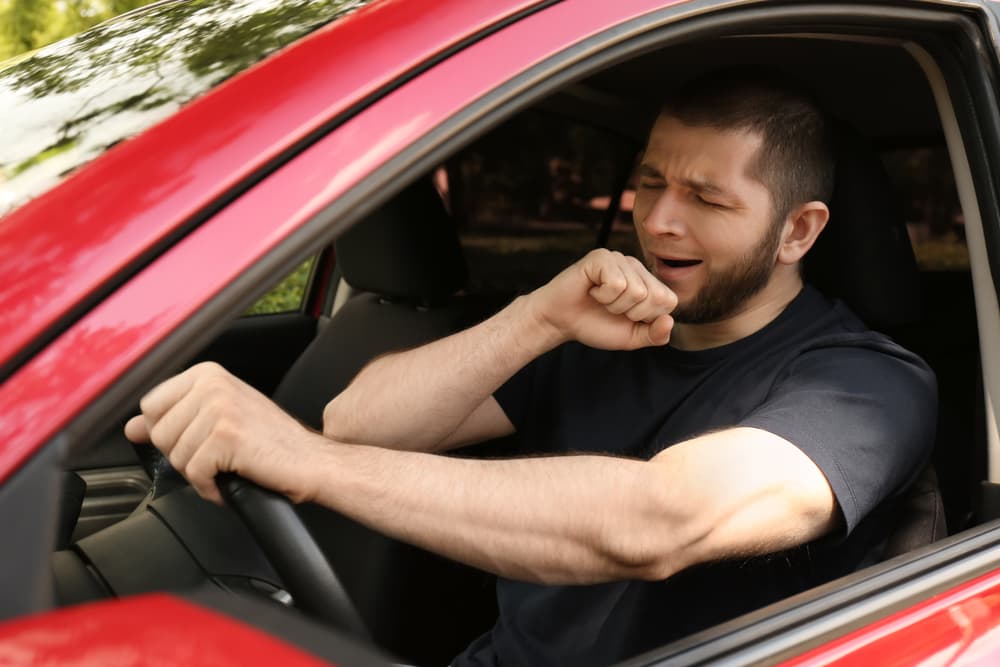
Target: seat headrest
[
  {"x": 864, "y": 256},
  {"x": 408, "y": 250}
]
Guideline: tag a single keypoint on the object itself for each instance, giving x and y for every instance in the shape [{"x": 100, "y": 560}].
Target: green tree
[
  {"x": 26, "y": 25},
  {"x": 30, "y": 22}
]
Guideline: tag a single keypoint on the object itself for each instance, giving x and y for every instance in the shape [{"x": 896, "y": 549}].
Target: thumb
[
  {"x": 653, "y": 333},
  {"x": 136, "y": 430}
]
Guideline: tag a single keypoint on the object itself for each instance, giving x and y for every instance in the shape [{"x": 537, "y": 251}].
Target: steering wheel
[
  {"x": 281, "y": 535},
  {"x": 293, "y": 552}
]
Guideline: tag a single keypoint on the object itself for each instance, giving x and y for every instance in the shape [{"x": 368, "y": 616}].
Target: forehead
[{"x": 675, "y": 148}]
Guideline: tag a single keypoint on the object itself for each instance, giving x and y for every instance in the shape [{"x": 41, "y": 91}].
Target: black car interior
[{"x": 409, "y": 277}]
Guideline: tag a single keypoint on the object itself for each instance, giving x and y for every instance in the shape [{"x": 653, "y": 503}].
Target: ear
[{"x": 802, "y": 227}]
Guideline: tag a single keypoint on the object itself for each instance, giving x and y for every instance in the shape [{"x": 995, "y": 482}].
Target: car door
[{"x": 425, "y": 119}]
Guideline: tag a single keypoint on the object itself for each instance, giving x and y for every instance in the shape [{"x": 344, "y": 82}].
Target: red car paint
[
  {"x": 143, "y": 631},
  {"x": 150, "y": 185},
  {"x": 959, "y": 628}
]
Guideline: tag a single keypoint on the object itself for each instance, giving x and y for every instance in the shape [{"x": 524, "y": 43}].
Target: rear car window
[
  {"x": 532, "y": 197},
  {"x": 925, "y": 183},
  {"x": 289, "y": 295}
]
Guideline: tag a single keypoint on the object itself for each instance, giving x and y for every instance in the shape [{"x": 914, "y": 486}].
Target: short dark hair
[{"x": 795, "y": 161}]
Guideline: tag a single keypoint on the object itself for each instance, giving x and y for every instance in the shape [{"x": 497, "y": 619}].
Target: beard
[{"x": 725, "y": 292}]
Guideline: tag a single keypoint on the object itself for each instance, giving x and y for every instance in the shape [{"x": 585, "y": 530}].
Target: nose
[{"x": 665, "y": 216}]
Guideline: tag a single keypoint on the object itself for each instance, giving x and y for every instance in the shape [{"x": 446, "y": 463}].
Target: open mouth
[{"x": 680, "y": 263}]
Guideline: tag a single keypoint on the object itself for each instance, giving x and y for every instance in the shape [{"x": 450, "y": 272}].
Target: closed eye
[{"x": 708, "y": 202}]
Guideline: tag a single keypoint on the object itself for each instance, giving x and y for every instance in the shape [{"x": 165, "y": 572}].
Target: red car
[{"x": 412, "y": 165}]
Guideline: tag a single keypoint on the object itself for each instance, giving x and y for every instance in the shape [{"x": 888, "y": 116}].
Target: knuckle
[
  {"x": 146, "y": 404},
  {"x": 617, "y": 285},
  {"x": 209, "y": 367},
  {"x": 212, "y": 382},
  {"x": 664, "y": 297},
  {"x": 223, "y": 430}
]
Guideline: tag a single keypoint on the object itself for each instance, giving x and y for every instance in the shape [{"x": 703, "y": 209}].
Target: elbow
[
  {"x": 335, "y": 420},
  {"x": 656, "y": 543},
  {"x": 643, "y": 556}
]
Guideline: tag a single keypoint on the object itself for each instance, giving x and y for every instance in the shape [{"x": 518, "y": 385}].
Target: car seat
[
  {"x": 407, "y": 262},
  {"x": 864, "y": 257}
]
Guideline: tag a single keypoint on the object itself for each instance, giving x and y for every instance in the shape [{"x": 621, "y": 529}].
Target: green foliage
[
  {"x": 288, "y": 294},
  {"x": 30, "y": 21},
  {"x": 55, "y": 149},
  {"x": 26, "y": 25},
  {"x": 947, "y": 253}
]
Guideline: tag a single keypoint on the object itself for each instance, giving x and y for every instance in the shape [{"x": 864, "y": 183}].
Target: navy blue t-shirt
[{"x": 861, "y": 407}]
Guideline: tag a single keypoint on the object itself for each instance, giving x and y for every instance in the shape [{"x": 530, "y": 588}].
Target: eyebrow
[{"x": 695, "y": 184}]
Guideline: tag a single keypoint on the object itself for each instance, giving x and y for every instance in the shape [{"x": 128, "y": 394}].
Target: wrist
[
  {"x": 314, "y": 468},
  {"x": 534, "y": 331}
]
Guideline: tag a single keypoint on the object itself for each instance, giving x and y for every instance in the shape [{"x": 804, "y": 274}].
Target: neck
[{"x": 758, "y": 311}]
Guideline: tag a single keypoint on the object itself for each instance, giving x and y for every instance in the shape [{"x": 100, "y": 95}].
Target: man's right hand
[{"x": 606, "y": 300}]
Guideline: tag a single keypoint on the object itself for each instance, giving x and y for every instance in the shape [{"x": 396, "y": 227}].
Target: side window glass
[
  {"x": 926, "y": 184},
  {"x": 530, "y": 198},
  {"x": 288, "y": 296}
]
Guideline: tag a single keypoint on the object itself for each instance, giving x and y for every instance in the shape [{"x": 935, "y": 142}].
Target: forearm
[
  {"x": 569, "y": 519},
  {"x": 415, "y": 399}
]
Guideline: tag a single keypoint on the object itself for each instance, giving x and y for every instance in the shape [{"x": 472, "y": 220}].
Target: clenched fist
[{"x": 607, "y": 300}]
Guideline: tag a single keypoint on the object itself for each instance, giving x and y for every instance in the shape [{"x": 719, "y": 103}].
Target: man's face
[{"x": 706, "y": 228}]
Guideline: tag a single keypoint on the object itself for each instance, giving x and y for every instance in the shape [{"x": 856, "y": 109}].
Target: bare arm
[
  {"x": 439, "y": 396},
  {"x": 568, "y": 519},
  {"x": 421, "y": 399},
  {"x": 589, "y": 519}
]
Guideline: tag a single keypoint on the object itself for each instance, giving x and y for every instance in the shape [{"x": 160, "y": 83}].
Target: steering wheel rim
[
  {"x": 293, "y": 553},
  {"x": 280, "y": 533}
]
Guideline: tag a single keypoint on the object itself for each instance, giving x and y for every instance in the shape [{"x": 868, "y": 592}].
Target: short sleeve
[{"x": 865, "y": 414}]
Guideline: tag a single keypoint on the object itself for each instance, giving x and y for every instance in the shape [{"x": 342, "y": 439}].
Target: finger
[
  {"x": 195, "y": 436},
  {"x": 660, "y": 300},
  {"x": 636, "y": 291},
  {"x": 655, "y": 333},
  {"x": 164, "y": 395},
  {"x": 136, "y": 431},
  {"x": 165, "y": 432},
  {"x": 609, "y": 281},
  {"x": 200, "y": 472},
  {"x": 660, "y": 330}
]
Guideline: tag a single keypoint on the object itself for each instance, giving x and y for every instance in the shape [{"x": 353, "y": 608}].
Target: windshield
[{"x": 67, "y": 103}]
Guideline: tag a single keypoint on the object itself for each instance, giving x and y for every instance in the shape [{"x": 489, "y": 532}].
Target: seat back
[
  {"x": 864, "y": 257},
  {"x": 407, "y": 261}
]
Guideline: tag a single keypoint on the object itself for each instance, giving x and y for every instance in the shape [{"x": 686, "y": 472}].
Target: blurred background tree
[{"x": 26, "y": 25}]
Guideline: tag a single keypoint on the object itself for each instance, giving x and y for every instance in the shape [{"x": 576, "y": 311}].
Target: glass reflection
[{"x": 69, "y": 102}]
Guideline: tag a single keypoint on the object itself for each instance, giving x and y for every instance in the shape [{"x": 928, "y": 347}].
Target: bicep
[
  {"x": 486, "y": 422},
  {"x": 747, "y": 492}
]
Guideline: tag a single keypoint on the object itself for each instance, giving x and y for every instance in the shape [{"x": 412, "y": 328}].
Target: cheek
[{"x": 728, "y": 242}]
